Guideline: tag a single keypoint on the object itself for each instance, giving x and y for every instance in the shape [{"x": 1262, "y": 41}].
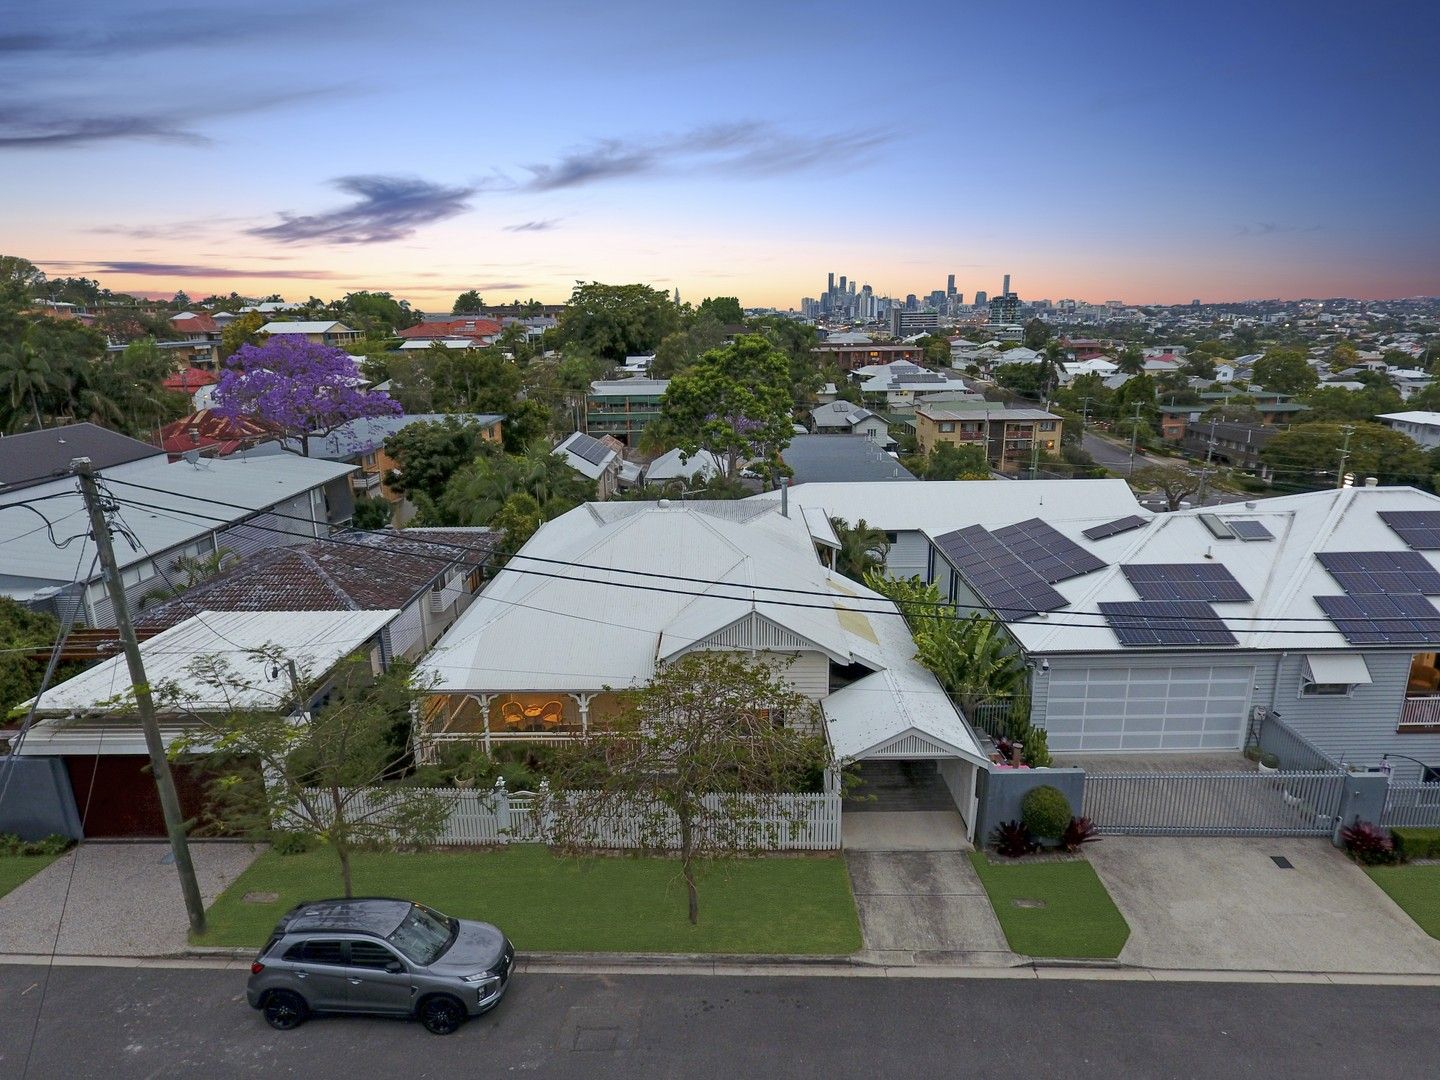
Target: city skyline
[{"x": 722, "y": 153}]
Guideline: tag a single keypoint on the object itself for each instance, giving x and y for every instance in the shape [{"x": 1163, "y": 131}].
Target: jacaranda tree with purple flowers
[
  {"x": 299, "y": 387},
  {"x": 735, "y": 402}
]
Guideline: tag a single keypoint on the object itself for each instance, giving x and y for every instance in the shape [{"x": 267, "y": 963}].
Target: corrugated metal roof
[
  {"x": 314, "y": 640},
  {"x": 305, "y": 328}
]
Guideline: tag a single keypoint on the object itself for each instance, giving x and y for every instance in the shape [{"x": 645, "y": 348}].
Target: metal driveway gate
[{"x": 1215, "y": 804}]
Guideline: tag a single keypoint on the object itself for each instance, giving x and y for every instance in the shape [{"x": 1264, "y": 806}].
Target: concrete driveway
[
  {"x": 118, "y": 899},
  {"x": 1216, "y": 903}
]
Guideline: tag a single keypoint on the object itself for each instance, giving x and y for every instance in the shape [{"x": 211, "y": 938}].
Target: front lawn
[
  {"x": 1414, "y": 888},
  {"x": 551, "y": 904},
  {"x": 1074, "y": 916},
  {"x": 15, "y": 870}
]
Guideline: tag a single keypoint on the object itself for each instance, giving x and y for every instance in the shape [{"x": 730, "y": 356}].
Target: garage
[
  {"x": 117, "y": 797},
  {"x": 1178, "y": 707}
]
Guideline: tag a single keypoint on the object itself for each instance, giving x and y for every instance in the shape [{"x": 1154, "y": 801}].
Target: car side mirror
[{"x": 394, "y": 967}]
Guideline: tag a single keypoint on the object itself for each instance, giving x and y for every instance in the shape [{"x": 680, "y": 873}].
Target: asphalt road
[
  {"x": 118, "y": 1022},
  {"x": 1112, "y": 456}
]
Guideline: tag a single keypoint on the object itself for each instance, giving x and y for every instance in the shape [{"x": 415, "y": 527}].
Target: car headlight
[{"x": 481, "y": 978}]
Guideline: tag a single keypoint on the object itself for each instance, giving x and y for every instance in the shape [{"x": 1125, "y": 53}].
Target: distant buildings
[
  {"x": 905, "y": 323},
  {"x": 849, "y": 355},
  {"x": 1423, "y": 427}
]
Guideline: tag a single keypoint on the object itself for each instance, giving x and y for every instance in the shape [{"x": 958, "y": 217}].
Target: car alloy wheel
[
  {"x": 284, "y": 1010},
  {"x": 441, "y": 1015}
]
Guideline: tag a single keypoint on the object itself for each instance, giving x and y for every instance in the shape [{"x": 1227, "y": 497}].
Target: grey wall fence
[
  {"x": 37, "y": 799},
  {"x": 1000, "y": 792},
  {"x": 1293, "y": 750}
]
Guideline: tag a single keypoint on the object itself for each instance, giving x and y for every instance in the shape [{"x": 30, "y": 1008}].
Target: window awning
[{"x": 1347, "y": 668}]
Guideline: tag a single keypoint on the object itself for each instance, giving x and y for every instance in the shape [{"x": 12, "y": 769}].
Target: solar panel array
[
  {"x": 1390, "y": 572},
  {"x": 998, "y": 574},
  {"x": 1247, "y": 529},
  {"x": 589, "y": 448},
  {"x": 1048, "y": 552},
  {"x": 1169, "y": 622},
  {"x": 1113, "y": 528},
  {"x": 1374, "y": 618},
  {"x": 1418, "y": 528},
  {"x": 1207, "y": 582}
]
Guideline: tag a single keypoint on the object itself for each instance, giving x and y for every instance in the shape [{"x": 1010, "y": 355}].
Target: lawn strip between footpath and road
[
  {"x": 1053, "y": 908},
  {"x": 547, "y": 903},
  {"x": 15, "y": 870},
  {"x": 1414, "y": 888}
]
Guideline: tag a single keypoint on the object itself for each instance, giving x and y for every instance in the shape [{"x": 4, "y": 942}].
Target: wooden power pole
[{"x": 144, "y": 702}]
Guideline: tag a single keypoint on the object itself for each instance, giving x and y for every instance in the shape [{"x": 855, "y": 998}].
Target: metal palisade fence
[
  {"x": 1412, "y": 804},
  {"x": 1215, "y": 804},
  {"x": 802, "y": 822}
]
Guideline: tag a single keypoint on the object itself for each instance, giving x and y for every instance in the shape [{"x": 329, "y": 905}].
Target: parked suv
[{"x": 380, "y": 957}]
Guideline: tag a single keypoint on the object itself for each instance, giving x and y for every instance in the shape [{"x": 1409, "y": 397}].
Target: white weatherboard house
[
  {"x": 1168, "y": 632},
  {"x": 543, "y": 656}
]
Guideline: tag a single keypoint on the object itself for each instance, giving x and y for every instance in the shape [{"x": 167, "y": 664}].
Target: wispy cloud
[
  {"x": 1272, "y": 228},
  {"x": 543, "y": 225},
  {"x": 385, "y": 208},
  {"x": 168, "y": 229},
  {"x": 184, "y": 270},
  {"x": 749, "y": 149}
]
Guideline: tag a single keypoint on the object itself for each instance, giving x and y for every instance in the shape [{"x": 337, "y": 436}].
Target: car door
[
  {"x": 320, "y": 972},
  {"x": 374, "y": 984}
]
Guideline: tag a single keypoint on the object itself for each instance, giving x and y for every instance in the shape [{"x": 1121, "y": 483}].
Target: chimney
[
  {"x": 785, "y": 496},
  {"x": 1370, "y": 481}
]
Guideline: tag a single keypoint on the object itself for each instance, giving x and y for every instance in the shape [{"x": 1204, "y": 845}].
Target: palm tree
[
  {"x": 972, "y": 658},
  {"x": 1131, "y": 360},
  {"x": 1053, "y": 356},
  {"x": 25, "y": 375},
  {"x": 862, "y": 548}
]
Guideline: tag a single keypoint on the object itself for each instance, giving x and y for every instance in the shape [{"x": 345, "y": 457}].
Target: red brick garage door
[{"x": 123, "y": 801}]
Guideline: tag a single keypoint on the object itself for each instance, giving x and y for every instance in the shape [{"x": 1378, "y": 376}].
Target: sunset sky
[{"x": 1145, "y": 152}]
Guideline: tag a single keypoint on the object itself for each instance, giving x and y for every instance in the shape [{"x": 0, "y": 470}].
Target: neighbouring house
[
  {"x": 847, "y": 418},
  {"x": 904, "y": 384},
  {"x": 102, "y": 744},
  {"x": 1227, "y": 443},
  {"x": 1009, "y": 436},
  {"x": 636, "y": 366},
  {"x": 623, "y": 407},
  {"x": 827, "y": 458},
  {"x": 1422, "y": 427},
  {"x": 201, "y": 345},
  {"x": 428, "y": 575},
  {"x": 1274, "y": 409},
  {"x": 170, "y": 509},
  {"x": 849, "y": 355},
  {"x": 207, "y": 432},
  {"x": 697, "y": 469},
  {"x": 474, "y": 333},
  {"x": 322, "y": 333},
  {"x": 195, "y": 383},
  {"x": 592, "y": 458},
  {"x": 527, "y": 661}
]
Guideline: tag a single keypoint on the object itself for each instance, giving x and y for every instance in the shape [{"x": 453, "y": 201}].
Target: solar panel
[
  {"x": 1249, "y": 530},
  {"x": 591, "y": 449},
  {"x": 1378, "y": 619},
  {"x": 994, "y": 571},
  {"x": 1366, "y": 572},
  {"x": 1209, "y": 582},
  {"x": 1113, "y": 528},
  {"x": 1048, "y": 552},
  {"x": 1170, "y": 622},
  {"x": 1418, "y": 528}
]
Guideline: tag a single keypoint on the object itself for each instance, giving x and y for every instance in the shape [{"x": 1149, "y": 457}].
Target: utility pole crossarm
[{"x": 144, "y": 702}]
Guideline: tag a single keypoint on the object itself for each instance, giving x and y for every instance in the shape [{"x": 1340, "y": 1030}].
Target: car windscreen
[{"x": 422, "y": 935}]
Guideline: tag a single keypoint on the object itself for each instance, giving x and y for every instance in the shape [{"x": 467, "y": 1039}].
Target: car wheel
[
  {"x": 284, "y": 1010},
  {"x": 441, "y": 1015}
]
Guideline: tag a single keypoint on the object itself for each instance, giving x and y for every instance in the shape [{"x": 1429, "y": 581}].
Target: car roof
[{"x": 359, "y": 915}]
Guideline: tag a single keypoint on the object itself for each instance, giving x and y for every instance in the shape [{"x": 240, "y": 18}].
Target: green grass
[
  {"x": 1414, "y": 888},
  {"x": 547, "y": 903},
  {"x": 1079, "y": 920},
  {"x": 15, "y": 870}
]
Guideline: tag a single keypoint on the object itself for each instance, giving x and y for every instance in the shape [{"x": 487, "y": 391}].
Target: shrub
[
  {"x": 10, "y": 844},
  {"x": 1045, "y": 812},
  {"x": 54, "y": 844},
  {"x": 1012, "y": 839},
  {"x": 1416, "y": 843},
  {"x": 290, "y": 842},
  {"x": 1368, "y": 844},
  {"x": 1081, "y": 830},
  {"x": 1037, "y": 749},
  {"x": 1252, "y": 752}
]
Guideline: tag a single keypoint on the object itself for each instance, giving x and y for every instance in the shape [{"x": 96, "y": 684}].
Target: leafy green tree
[
  {"x": 376, "y": 313},
  {"x": 21, "y": 629},
  {"x": 689, "y": 763},
  {"x": 1308, "y": 455},
  {"x": 724, "y": 310},
  {"x": 478, "y": 492},
  {"x": 438, "y": 379},
  {"x": 1198, "y": 366},
  {"x": 734, "y": 402},
  {"x": 950, "y": 461},
  {"x": 1026, "y": 380},
  {"x": 428, "y": 453},
  {"x": 242, "y": 331},
  {"x": 1175, "y": 482},
  {"x": 1037, "y": 334},
  {"x": 319, "y": 771},
  {"x": 862, "y": 548},
  {"x": 20, "y": 281},
  {"x": 936, "y": 348},
  {"x": 1285, "y": 371},
  {"x": 1343, "y": 355},
  {"x": 612, "y": 322},
  {"x": 525, "y": 422},
  {"x": 1337, "y": 403},
  {"x": 519, "y": 517},
  {"x": 26, "y": 379},
  {"x": 467, "y": 303},
  {"x": 1131, "y": 360},
  {"x": 372, "y": 513}
]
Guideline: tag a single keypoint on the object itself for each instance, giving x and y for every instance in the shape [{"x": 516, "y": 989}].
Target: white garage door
[{"x": 1162, "y": 708}]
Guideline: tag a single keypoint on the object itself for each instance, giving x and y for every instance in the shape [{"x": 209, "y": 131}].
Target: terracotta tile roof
[
  {"x": 364, "y": 572},
  {"x": 454, "y": 328},
  {"x": 208, "y": 430},
  {"x": 190, "y": 380},
  {"x": 196, "y": 324}
]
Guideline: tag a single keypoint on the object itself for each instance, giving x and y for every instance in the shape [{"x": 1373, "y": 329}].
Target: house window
[
  {"x": 1047, "y": 425},
  {"x": 947, "y": 425},
  {"x": 1325, "y": 689}
]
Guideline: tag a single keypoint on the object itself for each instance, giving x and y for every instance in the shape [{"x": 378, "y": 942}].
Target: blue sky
[{"x": 1137, "y": 151}]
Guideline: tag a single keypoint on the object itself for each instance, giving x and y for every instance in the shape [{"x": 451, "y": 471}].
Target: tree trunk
[
  {"x": 36, "y": 407},
  {"x": 343, "y": 851},
  {"x": 687, "y": 868}
]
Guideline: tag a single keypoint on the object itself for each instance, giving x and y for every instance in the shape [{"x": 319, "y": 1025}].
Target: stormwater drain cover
[
  {"x": 1282, "y": 862},
  {"x": 1021, "y": 901}
]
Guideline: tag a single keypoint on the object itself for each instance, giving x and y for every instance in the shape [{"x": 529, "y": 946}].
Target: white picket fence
[
  {"x": 794, "y": 821},
  {"x": 1411, "y": 804}
]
